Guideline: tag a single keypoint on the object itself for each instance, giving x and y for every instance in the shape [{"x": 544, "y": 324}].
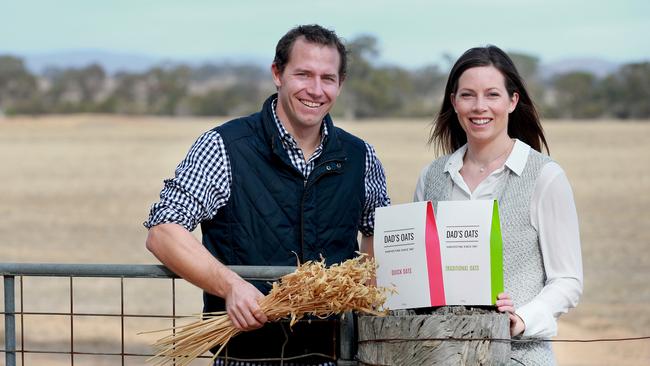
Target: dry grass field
[{"x": 75, "y": 189}]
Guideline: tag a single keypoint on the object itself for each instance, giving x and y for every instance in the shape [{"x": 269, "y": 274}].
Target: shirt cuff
[
  {"x": 539, "y": 321},
  {"x": 168, "y": 216}
]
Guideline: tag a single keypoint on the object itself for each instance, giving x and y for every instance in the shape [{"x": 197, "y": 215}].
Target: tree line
[{"x": 370, "y": 91}]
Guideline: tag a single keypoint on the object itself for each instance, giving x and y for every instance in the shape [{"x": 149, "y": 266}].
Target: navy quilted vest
[{"x": 274, "y": 216}]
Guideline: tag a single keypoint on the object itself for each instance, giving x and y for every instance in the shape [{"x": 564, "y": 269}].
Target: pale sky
[{"x": 412, "y": 33}]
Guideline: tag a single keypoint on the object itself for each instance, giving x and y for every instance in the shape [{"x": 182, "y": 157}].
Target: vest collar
[{"x": 332, "y": 149}]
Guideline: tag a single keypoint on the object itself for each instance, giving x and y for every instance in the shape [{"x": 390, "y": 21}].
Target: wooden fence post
[{"x": 403, "y": 338}]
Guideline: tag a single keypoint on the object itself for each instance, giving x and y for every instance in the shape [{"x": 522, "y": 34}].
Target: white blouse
[{"x": 553, "y": 215}]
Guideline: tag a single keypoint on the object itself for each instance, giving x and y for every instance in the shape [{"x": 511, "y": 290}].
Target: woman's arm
[
  {"x": 553, "y": 214},
  {"x": 419, "y": 187}
]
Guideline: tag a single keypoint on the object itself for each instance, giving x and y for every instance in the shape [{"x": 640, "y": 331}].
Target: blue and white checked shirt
[{"x": 202, "y": 182}]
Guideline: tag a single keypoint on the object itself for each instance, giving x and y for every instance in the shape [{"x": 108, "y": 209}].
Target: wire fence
[
  {"x": 15, "y": 348},
  {"x": 15, "y": 327}
]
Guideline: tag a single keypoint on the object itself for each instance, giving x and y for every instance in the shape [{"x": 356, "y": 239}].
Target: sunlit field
[{"x": 76, "y": 189}]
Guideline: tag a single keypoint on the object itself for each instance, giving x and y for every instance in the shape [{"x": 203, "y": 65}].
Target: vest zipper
[{"x": 302, "y": 203}]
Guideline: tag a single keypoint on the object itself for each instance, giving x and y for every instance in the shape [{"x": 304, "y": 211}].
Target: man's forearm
[
  {"x": 182, "y": 253},
  {"x": 179, "y": 250}
]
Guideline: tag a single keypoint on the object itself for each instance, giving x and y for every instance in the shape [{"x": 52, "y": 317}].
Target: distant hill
[
  {"x": 598, "y": 67},
  {"x": 133, "y": 62},
  {"x": 113, "y": 62},
  {"x": 110, "y": 61}
]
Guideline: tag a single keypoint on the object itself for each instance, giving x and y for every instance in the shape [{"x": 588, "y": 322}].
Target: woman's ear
[{"x": 513, "y": 102}]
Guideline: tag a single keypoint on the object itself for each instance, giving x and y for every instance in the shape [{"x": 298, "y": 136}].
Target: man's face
[{"x": 308, "y": 86}]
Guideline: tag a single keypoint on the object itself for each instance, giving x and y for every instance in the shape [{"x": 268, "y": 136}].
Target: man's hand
[
  {"x": 506, "y": 305},
  {"x": 181, "y": 252},
  {"x": 243, "y": 307}
]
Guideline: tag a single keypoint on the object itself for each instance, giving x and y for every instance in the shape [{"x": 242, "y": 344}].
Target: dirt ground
[{"x": 76, "y": 189}]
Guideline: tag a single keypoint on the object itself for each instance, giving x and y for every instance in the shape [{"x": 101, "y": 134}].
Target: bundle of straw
[{"x": 313, "y": 289}]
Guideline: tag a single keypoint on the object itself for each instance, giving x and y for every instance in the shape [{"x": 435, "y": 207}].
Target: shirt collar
[
  {"x": 516, "y": 160},
  {"x": 455, "y": 161},
  {"x": 285, "y": 135},
  {"x": 518, "y": 157}
]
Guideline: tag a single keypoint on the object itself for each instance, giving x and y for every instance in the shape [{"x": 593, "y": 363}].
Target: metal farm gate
[{"x": 14, "y": 341}]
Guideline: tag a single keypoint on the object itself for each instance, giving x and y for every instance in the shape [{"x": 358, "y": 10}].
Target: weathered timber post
[{"x": 402, "y": 339}]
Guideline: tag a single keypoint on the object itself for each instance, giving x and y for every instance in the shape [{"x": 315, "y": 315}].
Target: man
[{"x": 281, "y": 183}]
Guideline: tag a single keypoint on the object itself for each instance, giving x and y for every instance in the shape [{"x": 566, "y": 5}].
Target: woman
[{"x": 491, "y": 132}]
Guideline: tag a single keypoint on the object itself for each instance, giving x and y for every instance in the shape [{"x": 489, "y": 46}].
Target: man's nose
[{"x": 315, "y": 86}]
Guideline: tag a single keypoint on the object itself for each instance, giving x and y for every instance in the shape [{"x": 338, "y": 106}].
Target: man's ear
[
  {"x": 340, "y": 87},
  {"x": 276, "y": 75}
]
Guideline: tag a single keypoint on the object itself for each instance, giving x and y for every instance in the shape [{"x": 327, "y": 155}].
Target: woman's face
[{"x": 482, "y": 104}]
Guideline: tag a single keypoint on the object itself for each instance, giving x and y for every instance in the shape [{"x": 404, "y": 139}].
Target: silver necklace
[{"x": 482, "y": 168}]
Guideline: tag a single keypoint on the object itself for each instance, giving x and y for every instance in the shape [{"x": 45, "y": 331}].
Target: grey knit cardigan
[{"x": 523, "y": 267}]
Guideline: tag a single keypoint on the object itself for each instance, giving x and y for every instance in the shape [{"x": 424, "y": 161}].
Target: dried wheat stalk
[{"x": 313, "y": 289}]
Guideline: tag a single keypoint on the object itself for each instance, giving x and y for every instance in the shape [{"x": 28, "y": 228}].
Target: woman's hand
[{"x": 506, "y": 305}]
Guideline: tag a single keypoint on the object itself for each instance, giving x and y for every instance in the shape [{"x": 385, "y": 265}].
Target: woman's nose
[{"x": 479, "y": 104}]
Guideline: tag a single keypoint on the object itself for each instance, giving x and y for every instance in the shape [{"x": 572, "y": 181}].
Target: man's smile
[{"x": 310, "y": 104}]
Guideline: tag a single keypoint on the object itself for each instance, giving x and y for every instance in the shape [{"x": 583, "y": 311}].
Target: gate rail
[{"x": 10, "y": 271}]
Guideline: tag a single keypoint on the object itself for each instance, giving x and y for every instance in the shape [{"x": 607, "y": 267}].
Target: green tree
[
  {"x": 235, "y": 100},
  {"x": 428, "y": 87},
  {"x": 627, "y": 92},
  {"x": 18, "y": 87},
  {"x": 130, "y": 95},
  {"x": 75, "y": 90},
  {"x": 386, "y": 91},
  {"x": 166, "y": 89},
  {"x": 159, "y": 91},
  {"x": 577, "y": 95},
  {"x": 528, "y": 67},
  {"x": 354, "y": 101}
]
